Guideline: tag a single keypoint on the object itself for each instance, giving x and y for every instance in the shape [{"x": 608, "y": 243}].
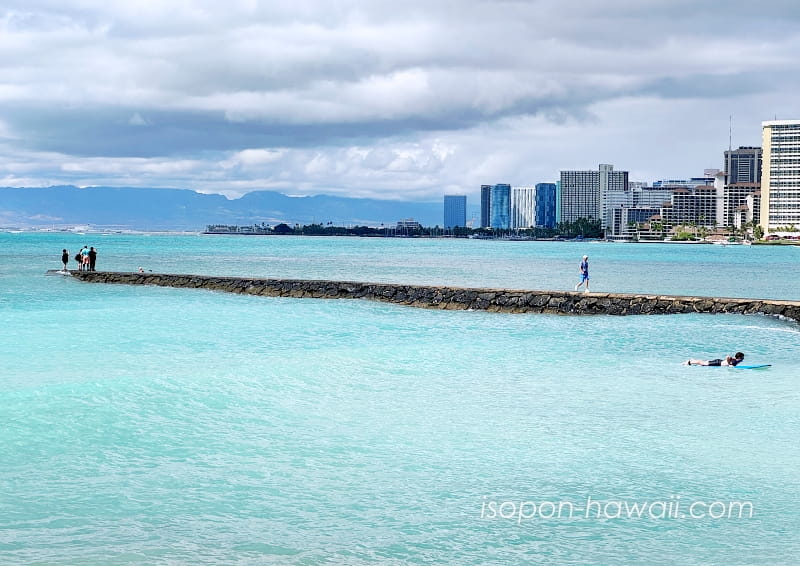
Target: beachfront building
[
  {"x": 735, "y": 196},
  {"x": 695, "y": 206},
  {"x": 455, "y": 211},
  {"x": 580, "y": 195},
  {"x": 500, "y": 207},
  {"x": 653, "y": 197},
  {"x": 616, "y": 201},
  {"x": 523, "y": 207},
  {"x": 584, "y": 194},
  {"x": 780, "y": 175},
  {"x": 546, "y": 205},
  {"x": 486, "y": 201},
  {"x": 407, "y": 226},
  {"x": 496, "y": 206},
  {"x": 629, "y": 210},
  {"x": 626, "y": 222}
]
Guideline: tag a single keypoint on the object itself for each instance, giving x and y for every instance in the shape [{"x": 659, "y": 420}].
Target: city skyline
[
  {"x": 370, "y": 101},
  {"x": 729, "y": 198}
]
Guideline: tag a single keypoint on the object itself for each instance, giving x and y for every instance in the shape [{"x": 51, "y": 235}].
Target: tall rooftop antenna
[{"x": 730, "y": 132}]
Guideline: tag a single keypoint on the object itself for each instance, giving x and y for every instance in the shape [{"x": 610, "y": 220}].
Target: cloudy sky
[{"x": 408, "y": 100}]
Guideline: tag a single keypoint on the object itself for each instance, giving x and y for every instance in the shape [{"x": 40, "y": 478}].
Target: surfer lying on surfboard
[{"x": 733, "y": 360}]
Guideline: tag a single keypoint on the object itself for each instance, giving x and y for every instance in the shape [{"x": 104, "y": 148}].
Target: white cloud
[
  {"x": 365, "y": 99},
  {"x": 254, "y": 157}
]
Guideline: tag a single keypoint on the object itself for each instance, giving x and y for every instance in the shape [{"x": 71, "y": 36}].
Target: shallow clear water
[{"x": 152, "y": 425}]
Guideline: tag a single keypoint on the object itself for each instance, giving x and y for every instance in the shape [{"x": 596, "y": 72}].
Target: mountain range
[{"x": 180, "y": 209}]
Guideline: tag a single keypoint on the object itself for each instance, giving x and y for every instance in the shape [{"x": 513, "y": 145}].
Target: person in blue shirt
[
  {"x": 85, "y": 258},
  {"x": 733, "y": 360},
  {"x": 584, "y": 274}
]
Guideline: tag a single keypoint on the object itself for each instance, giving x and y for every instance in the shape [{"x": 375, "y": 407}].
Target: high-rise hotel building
[
  {"x": 498, "y": 206},
  {"x": 486, "y": 204},
  {"x": 455, "y": 211},
  {"x": 546, "y": 205},
  {"x": 584, "y": 194},
  {"x": 780, "y": 174},
  {"x": 523, "y": 207}
]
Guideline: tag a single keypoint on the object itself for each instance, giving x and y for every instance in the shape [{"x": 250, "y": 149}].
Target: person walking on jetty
[
  {"x": 733, "y": 360},
  {"x": 64, "y": 258},
  {"x": 584, "y": 267}
]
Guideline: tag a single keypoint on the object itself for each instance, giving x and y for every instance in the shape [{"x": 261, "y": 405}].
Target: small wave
[{"x": 764, "y": 328}]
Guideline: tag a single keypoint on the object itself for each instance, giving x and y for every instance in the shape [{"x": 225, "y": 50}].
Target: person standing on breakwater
[
  {"x": 584, "y": 267},
  {"x": 79, "y": 260},
  {"x": 733, "y": 360},
  {"x": 92, "y": 258},
  {"x": 64, "y": 258},
  {"x": 85, "y": 258}
]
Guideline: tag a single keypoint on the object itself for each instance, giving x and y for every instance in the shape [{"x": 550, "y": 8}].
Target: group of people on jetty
[{"x": 85, "y": 258}]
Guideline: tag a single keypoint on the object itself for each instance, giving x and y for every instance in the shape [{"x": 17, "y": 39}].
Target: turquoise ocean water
[{"x": 167, "y": 426}]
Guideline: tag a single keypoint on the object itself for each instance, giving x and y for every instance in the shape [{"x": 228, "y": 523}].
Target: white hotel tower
[
  {"x": 523, "y": 207},
  {"x": 780, "y": 174}
]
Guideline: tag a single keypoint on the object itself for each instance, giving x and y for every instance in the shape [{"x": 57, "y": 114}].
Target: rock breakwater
[{"x": 458, "y": 298}]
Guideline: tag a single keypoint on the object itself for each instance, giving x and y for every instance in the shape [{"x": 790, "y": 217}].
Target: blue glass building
[
  {"x": 546, "y": 205},
  {"x": 486, "y": 197},
  {"x": 455, "y": 211},
  {"x": 500, "y": 207}
]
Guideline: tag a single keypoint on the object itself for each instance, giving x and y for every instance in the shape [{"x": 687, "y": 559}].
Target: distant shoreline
[
  {"x": 97, "y": 232},
  {"x": 178, "y": 232}
]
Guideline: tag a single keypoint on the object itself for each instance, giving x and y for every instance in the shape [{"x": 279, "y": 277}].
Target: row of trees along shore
[
  {"x": 581, "y": 228},
  {"x": 584, "y": 228}
]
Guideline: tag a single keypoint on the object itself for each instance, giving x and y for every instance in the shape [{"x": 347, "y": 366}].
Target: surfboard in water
[{"x": 740, "y": 366}]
